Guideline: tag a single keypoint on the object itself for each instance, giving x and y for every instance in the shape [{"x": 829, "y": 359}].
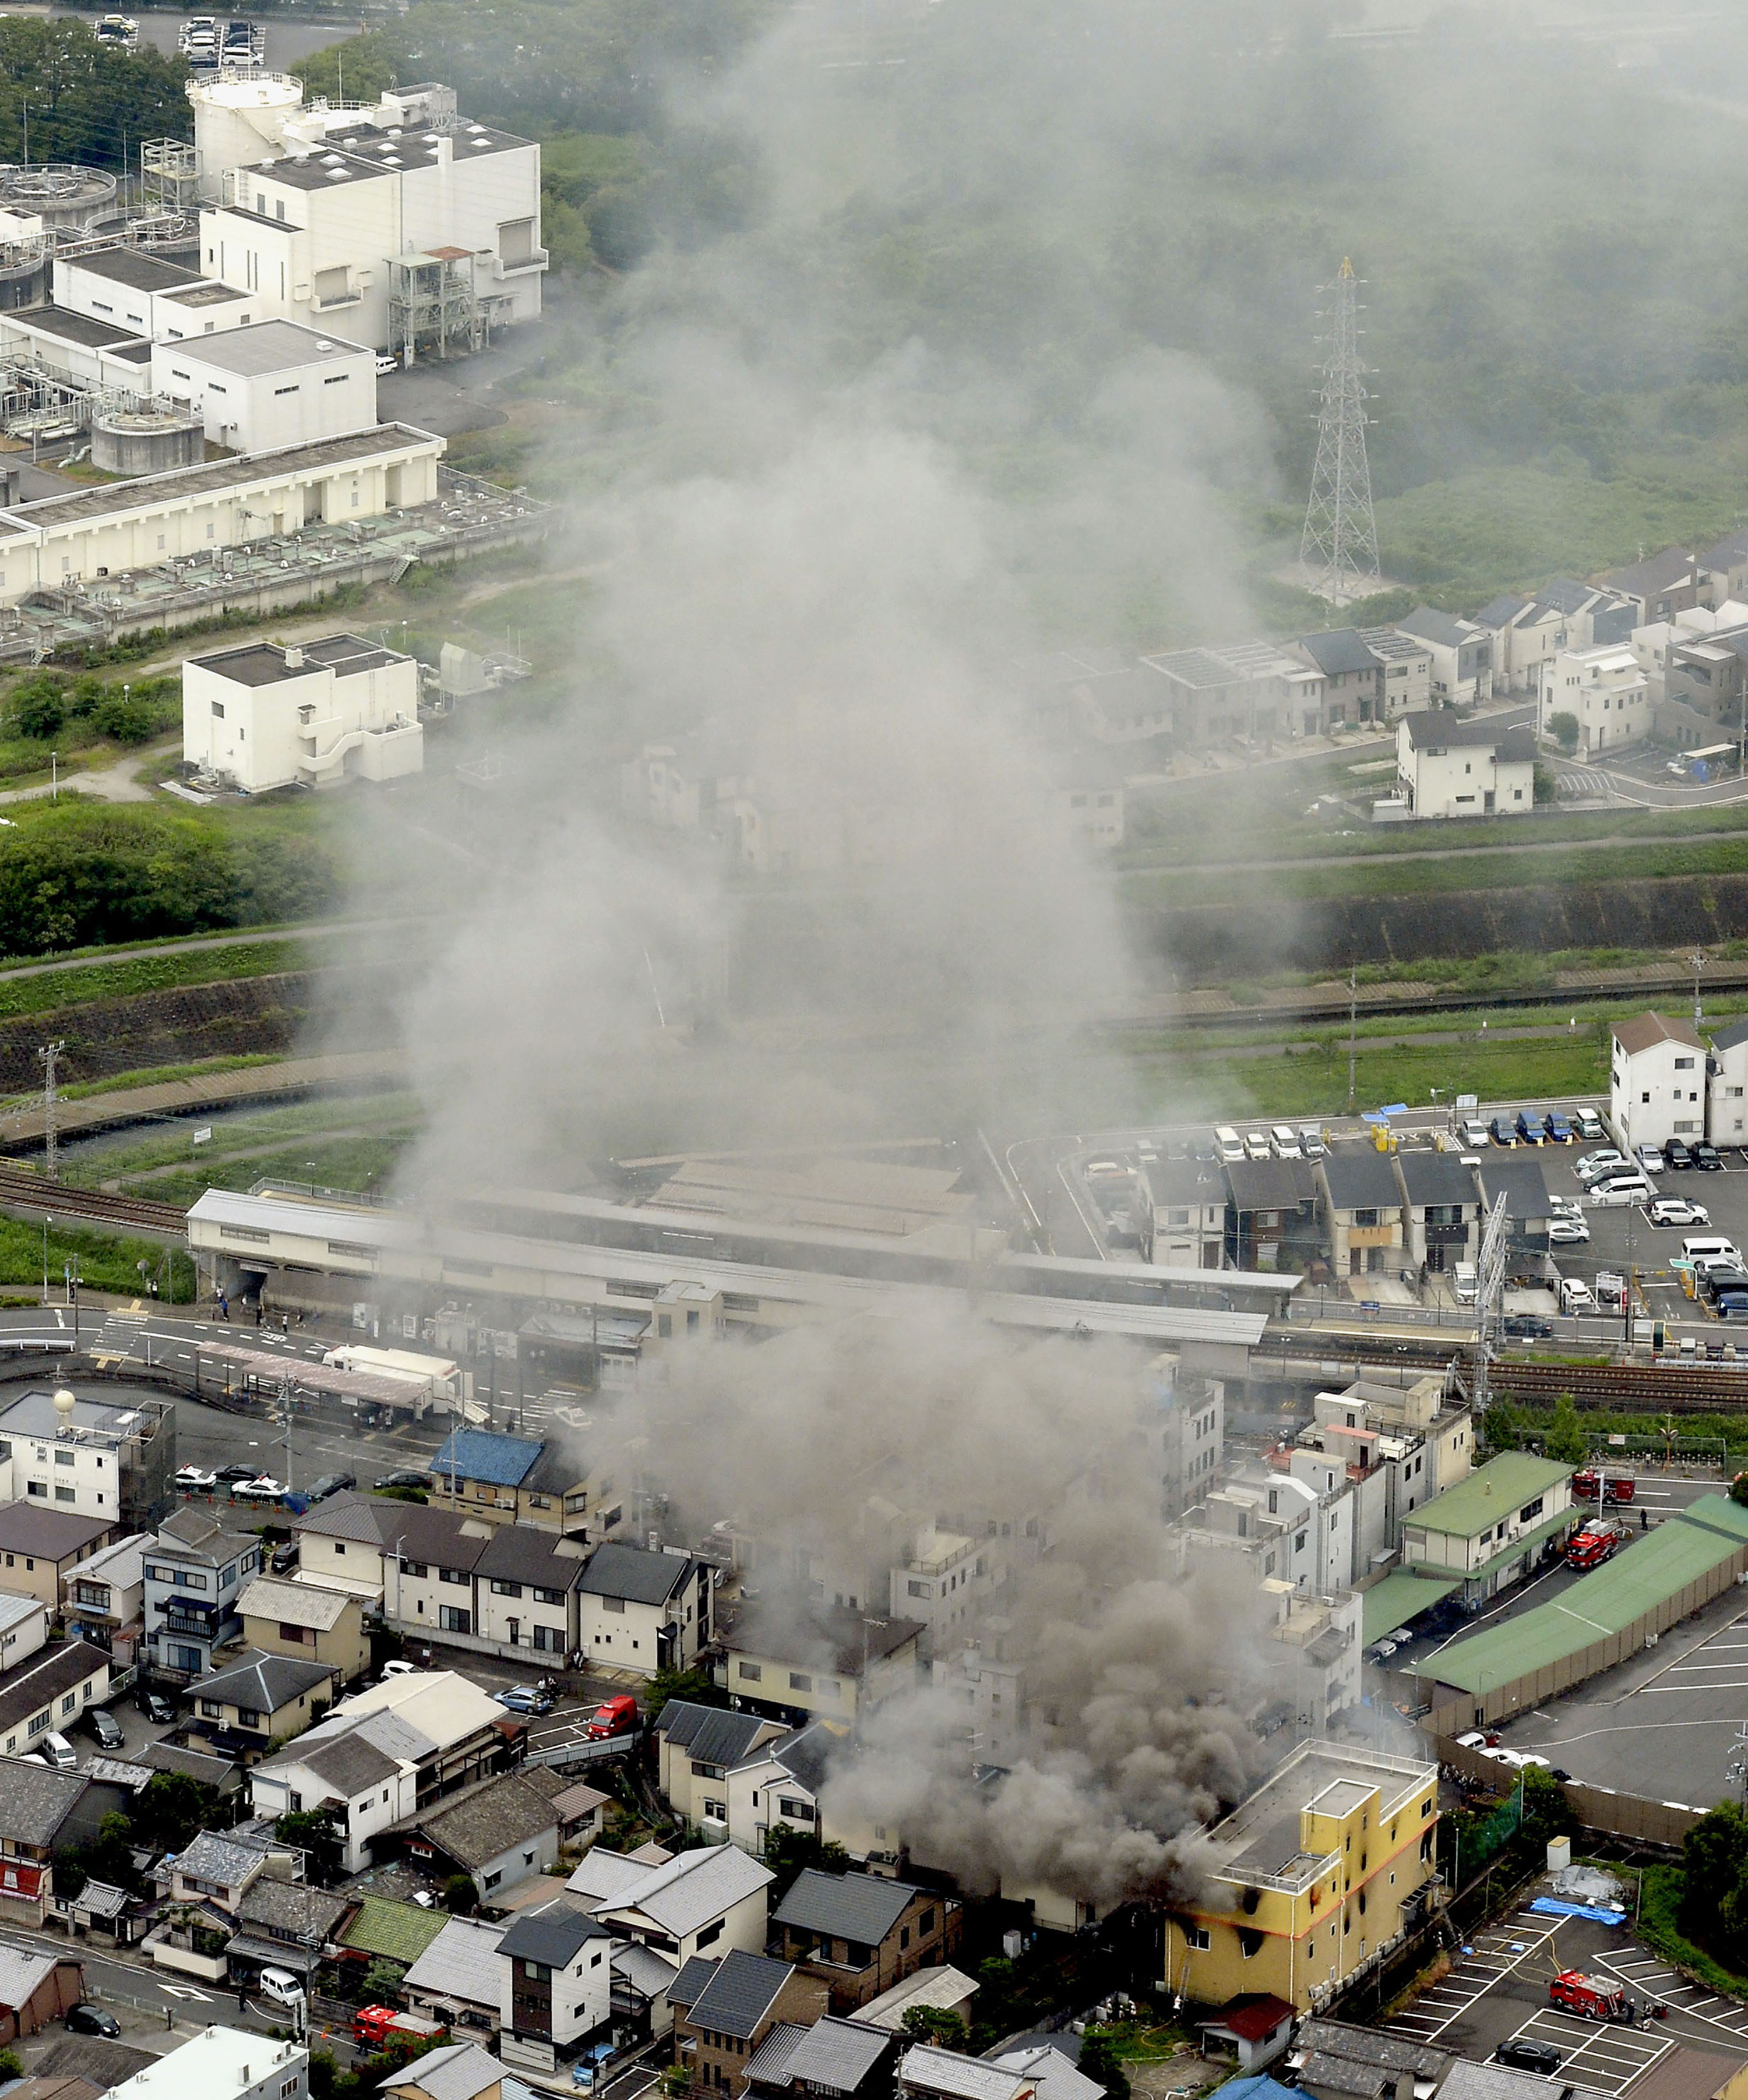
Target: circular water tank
[
  {"x": 61, "y": 194},
  {"x": 147, "y": 441},
  {"x": 238, "y": 121}
]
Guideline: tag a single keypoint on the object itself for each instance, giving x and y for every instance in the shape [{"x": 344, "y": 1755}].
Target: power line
[{"x": 48, "y": 1054}]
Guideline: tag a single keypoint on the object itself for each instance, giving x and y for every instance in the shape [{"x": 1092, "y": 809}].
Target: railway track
[
  {"x": 1702, "y": 1388},
  {"x": 23, "y": 1191}
]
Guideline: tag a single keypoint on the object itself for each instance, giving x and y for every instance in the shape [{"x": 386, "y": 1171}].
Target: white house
[
  {"x": 261, "y": 388},
  {"x": 1656, "y": 1082},
  {"x": 1606, "y": 692},
  {"x": 935, "y": 1584},
  {"x": 1447, "y": 768},
  {"x": 555, "y": 1985},
  {"x": 697, "y": 1748},
  {"x": 317, "y": 713},
  {"x": 1462, "y": 655},
  {"x": 1726, "y": 1086},
  {"x": 643, "y": 1612},
  {"x": 700, "y": 1902},
  {"x": 223, "y": 2063}
]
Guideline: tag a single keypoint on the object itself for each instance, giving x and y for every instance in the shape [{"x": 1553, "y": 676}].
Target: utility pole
[
  {"x": 1353, "y": 1011},
  {"x": 1696, "y": 962},
  {"x": 1338, "y": 551},
  {"x": 46, "y": 1056},
  {"x": 1489, "y": 1280}
]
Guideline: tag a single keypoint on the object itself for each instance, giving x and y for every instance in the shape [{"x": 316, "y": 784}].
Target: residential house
[
  {"x": 695, "y": 1747},
  {"x": 507, "y": 1479},
  {"x": 1361, "y": 1206},
  {"x": 1335, "y": 2061},
  {"x": 195, "y": 1571},
  {"x": 40, "y": 1811},
  {"x": 1528, "y": 632},
  {"x": 944, "y": 1989},
  {"x": 723, "y": 2011},
  {"x": 1656, "y": 1082},
  {"x": 643, "y": 1612},
  {"x": 1726, "y": 1085},
  {"x": 1490, "y": 1530},
  {"x": 498, "y": 1833},
  {"x": 298, "y": 1619},
  {"x": 1604, "y": 690},
  {"x": 386, "y": 1752},
  {"x": 687, "y": 784},
  {"x": 1440, "y": 1210},
  {"x": 1667, "y": 583},
  {"x": 1330, "y": 1826},
  {"x": 382, "y": 1929},
  {"x": 345, "y": 1543},
  {"x": 1246, "y": 691},
  {"x": 578, "y": 1807},
  {"x": 1704, "y": 670},
  {"x": 555, "y": 1986},
  {"x": 1462, "y": 652},
  {"x": 986, "y": 1681},
  {"x": 1251, "y": 2031},
  {"x": 50, "y": 1690},
  {"x": 527, "y": 1588},
  {"x": 1448, "y": 768},
  {"x": 1517, "y": 1176},
  {"x": 92, "y": 2059},
  {"x": 1122, "y": 704},
  {"x": 1353, "y": 674},
  {"x": 1405, "y": 683},
  {"x": 224, "y": 2063},
  {"x": 782, "y": 1781},
  {"x": 104, "y": 1599},
  {"x": 926, "y": 2073},
  {"x": 463, "y": 2071},
  {"x": 1181, "y": 1213},
  {"x": 832, "y": 2060},
  {"x": 260, "y": 1698},
  {"x": 24, "y": 1628},
  {"x": 283, "y": 1924},
  {"x": 1724, "y": 567},
  {"x": 97, "y": 1458},
  {"x": 214, "y": 1868},
  {"x": 1083, "y": 786},
  {"x": 35, "y": 1989},
  {"x": 1271, "y": 1215},
  {"x": 41, "y": 1547},
  {"x": 1386, "y": 1473},
  {"x": 699, "y": 1902},
  {"x": 860, "y": 1934},
  {"x": 794, "y": 1663},
  {"x": 428, "y": 1574},
  {"x": 457, "y": 1978}
]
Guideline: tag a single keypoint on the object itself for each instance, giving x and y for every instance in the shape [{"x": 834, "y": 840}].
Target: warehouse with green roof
[
  {"x": 1490, "y": 1529},
  {"x": 1652, "y": 1585}
]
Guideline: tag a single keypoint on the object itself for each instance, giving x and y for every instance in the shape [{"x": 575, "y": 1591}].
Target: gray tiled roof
[
  {"x": 265, "y": 1682},
  {"x": 348, "y": 1763},
  {"x": 519, "y": 1553},
  {"x": 475, "y": 1828},
  {"x": 459, "y": 2073},
  {"x": 292, "y": 1907},
  {"x": 768, "y": 2064},
  {"x": 805, "y": 1754},
  {"x": 1438, "y": 729},
  {"x": 861, "y": 1906},
  {"x": 837, "y": 2055},
  {"x": 618, "y": 1570},
  {"x": 1270, "y": 1185},
  {"x": 28, "y": 1686},
  {"x": 47, "y": 1534},
  {"x": 648, "y": 1973},
  {"x": 1360, "y": 1178},
  {"x": 712, "y": 1735},
  {"x": 34, "y": 1801},
  {"x": 552, "y": 1934},
  {"x": 1436, "y": 1177},
  {"x": 1340, "y": 649},
  {"x": 461, "y": 1962},
  {"x": 1425, "y": 623},
  {"x": 685, "y": 1892},
  {"x": 210, "y": 1857},
  {"x": 740, "y": 1993},
  {"x": 688, "y": 1987}
]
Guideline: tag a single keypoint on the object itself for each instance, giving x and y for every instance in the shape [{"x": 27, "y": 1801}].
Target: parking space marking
[{"x": 1492, "y": 1957}]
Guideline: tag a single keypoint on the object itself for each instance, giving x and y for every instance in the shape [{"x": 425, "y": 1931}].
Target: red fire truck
[
  {"x": 1591, "y": 1997},
  {"x": 1594, "y": 1542},
  {"x": 1616, "y": 1487}
]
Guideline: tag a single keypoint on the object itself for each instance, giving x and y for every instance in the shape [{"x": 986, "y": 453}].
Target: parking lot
[{"x": 1497, "y": 1992}]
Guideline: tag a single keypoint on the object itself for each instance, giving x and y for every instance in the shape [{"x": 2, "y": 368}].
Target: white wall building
[
  {"x": 643, "y": 1612},
  {"x": 1447, "y": 768},
  {"x": 1605, "y": 689},
  {"x": 1656, "y": 1082},
  {"x": 127, "y": 287},
  {"x": 334, "y": 216},
  {"x": 273, "y": 385},
  {"x": 935, "y": 1584},
  {"x": 316, "y": 713},
  {"x": 1726, "y": 1086},
  {"x": 223, "y": 2064}
]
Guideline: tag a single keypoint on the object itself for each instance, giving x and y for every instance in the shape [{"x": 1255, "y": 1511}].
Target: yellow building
[
  {"x": 1321, "y": 1872},
  {"x": 312, "y": 1624}
]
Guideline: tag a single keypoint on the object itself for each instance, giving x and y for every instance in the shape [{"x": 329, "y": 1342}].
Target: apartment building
[
  {"x": 96, "y": 1458},
  {"x": 1192, "y": 1419},
  {"x": 1324, "y": 1869},
  {"x": 1657, "y": 1081},
  {"x": 796, "y": 1662},
  {"x": 935, "y": 1585},
  {"x": 195, "y": 1571},
  {"x": 1489, "y": 1531}
]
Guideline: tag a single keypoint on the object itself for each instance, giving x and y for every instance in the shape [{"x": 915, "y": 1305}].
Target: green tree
[
  {"x": 788, "y": 1850},
  {"x": 10, "y": 2065},
  {"x": 1565, "y": 1440},
  {"x": 1098, "y": 2061},
  {"x": 460, "y": 1896},
  {"x": 382, "y": 1981},
  {"x": 314, "y": 1830},
  {"x": 1713, "y": 1855},
  {"x": 930, "y": 2024},
  {"x": 1739, "y": 1490},
  {"x": 1503, "y": 1430},
  {"x": 1564, "y": 729},
  {"x": 39, "y": 708},
  {"x": 1546, "y": 788},
  {"x": 170, "y": 1808},
  {"x": 694, "y": 1685}
]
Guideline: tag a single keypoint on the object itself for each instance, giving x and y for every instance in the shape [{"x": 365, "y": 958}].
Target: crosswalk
[{"x": 1583, "y": 783}]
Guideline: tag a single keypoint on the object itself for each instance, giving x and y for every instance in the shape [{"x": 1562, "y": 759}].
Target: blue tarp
[{"x": 1552, "y": 1907}]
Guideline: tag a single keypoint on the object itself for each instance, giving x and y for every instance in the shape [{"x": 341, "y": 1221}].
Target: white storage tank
[
  {"x": 137, "y": 441},
  {"x": 61, "y": 194},
  {"x": 238, "y": 121}
]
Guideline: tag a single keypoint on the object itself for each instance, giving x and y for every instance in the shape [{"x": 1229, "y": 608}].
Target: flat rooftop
[
  {"x": 266, "y": 347},
  {"x": 1260, "y": 1838},
  {"x": 132, "y": 267},
  {"x": 204, "y": 294},
  {"x": 60, "y": 326},
  {"x": 364, "y": 152},
  {"x": 264, "y": 663}
]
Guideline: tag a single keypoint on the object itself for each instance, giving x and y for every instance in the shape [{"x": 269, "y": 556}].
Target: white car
[
  {"x": 1475, "y": 1133},
  {"x": 1575, "y": 1297},
  {"x": 1677, "y": 1211},
  {"x": 1594, "y": 1163},
  {"x": 1255, "y": 1144},
  {"x": 1621, "y": 1195},
  {"x": 262, "y": 1489},
  {"x": 195, "y": 1481},
  {"x": 1471, "y": 1740},
  {"x": 1567, "y": 1232},
  {"x": 1649, "y": 1157}
]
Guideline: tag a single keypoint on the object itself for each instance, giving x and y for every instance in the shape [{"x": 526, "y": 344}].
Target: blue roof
[
  {"x": 1261, "y": 2087},
  {"x": 477, "y": 1454}
]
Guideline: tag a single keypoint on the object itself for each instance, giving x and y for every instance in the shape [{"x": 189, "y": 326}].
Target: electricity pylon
[{"x": 1339, "y": 551}]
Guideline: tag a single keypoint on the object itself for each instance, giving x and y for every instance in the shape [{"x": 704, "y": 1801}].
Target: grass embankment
[
  {"x": 105, "y": 1261},
  {"x": 1658, "y": 1925},
  {"x": 44, "y": 992}
]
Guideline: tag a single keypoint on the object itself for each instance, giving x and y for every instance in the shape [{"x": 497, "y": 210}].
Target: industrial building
[
  {"x": 402, "y": 225},
  {"x": 132, "y": 288},
  {"x": 314, "y": 714},
  {"x": 259, "y": 388}
]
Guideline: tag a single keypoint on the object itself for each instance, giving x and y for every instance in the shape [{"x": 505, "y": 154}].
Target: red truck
[
  {"x": 1591, "y": 1997},
  {"x": 1594, "y": 1542},
  {"x": 380, "y": 2027},
  {"x": 1616, "y": 1487},
  {"x": 613, "y": 1717}
]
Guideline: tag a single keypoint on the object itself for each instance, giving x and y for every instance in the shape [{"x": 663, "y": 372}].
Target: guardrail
[{"x": 585, "y": 1753}]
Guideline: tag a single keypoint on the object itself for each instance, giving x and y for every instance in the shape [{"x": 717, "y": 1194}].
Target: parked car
[
  {"x": 1621, "y": 1192},
  {"x": 156, "y": 1709},
  {"x": 285, "y": 1558},
  {"x": 94, "y": 2020},
  {"x": 1594, "y": 1165},
  {"x": 1649, "y": 1157},
  {"x": 1528, "y": 1127},
  {"x": 403, "y": 1476},
  {"x": 57, "y": 1751},
  {"x": 1567, "y": 1232},
  {"x": 1677, "y": 1211},
  {"x": 1311, "y": 1141},
  {"x": 1707, "y": 1160},
  {"x": 617, "y": 1716},
  {"x": 232, "y": 1475},
  {"x": 330, "y": 1484},
  {"x": 1504, "y": 1130},
  {"x": 1575, "y": 1296},
  {"x": 263, "y": 1487},
  {"x": 1381, "y": 1650},
  {"x": 1527, "y": 1327},
  {"x": 1676, "y": 1156},
  {"x": 1285, "y": 1140},
  {"x": 1465, "y": 1282},
  {"x": 104, "y": 1727},
  {"x": 1590, "y": 1125},
  {"x": 1559, "y": 1130},
  {"x": 1255, "y": 1144},
  {"x": 1528, "y": 2056},
  {"x": 524, "y": 1699},
  {"x": 1473, "y": 1132},
  {"x": 194, "y": 1481}
]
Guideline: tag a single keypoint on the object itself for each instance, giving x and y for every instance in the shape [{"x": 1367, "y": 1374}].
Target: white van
[
  {"x": 1285, "y": 1140},
  {"x": 1465, "y": 1280},
  {"x": 1230, "y": 1145},
  {"x": 280, "y": 1987},
  {"x": 60, "y": 1752},
  {"x": 1620, "y": 1192},
  {"x": 1697, "y": 1244}
]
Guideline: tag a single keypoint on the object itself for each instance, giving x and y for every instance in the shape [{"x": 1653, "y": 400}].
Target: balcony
[{"x": 503, "y": 270}]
